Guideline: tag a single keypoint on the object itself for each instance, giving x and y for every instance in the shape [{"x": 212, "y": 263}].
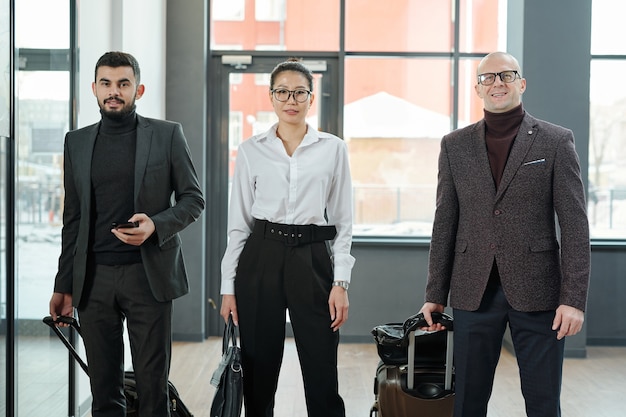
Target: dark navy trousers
[{"x": 477, "y": 345}]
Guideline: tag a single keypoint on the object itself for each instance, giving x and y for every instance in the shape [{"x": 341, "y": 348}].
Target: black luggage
[
  {"x": 427, "y": 390},
  {"x": 177, "y": 408}
]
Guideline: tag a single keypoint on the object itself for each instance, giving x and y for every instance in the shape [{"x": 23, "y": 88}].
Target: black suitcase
[
  {"x": 177, "y": 408},
  {"x": 427, "y": 390}
]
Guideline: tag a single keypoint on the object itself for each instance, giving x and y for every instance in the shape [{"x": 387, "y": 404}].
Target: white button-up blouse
[{"x": 268, "y": 184}]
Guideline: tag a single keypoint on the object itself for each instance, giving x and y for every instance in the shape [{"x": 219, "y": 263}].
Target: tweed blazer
[
  {"x": 163, "y": 171},
  {"x": 541, "y": 265}
]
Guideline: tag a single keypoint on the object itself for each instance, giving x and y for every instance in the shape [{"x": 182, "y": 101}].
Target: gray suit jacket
[
  {"x": 163, "y": 169},
  {"x": 516, "y": 224}
]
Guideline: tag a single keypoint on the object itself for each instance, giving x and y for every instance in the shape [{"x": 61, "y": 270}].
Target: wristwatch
[{"x": 342, "y": 284}]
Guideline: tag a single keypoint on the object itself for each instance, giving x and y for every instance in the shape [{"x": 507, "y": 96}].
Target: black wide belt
[{"x": 293, "y": 234}]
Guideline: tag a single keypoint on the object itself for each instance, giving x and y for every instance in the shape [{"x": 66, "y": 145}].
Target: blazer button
[
  {"x": 492, "y": 246},
  {"x": 497, "y": 212}
]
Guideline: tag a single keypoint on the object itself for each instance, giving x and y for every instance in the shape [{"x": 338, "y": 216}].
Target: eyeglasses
[
  {"x": 489, "y": 78},
  {"x": 282, "y": 94}
]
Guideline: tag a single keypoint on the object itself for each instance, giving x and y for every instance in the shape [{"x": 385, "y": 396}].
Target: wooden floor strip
[{"x": 592, "y": 387}]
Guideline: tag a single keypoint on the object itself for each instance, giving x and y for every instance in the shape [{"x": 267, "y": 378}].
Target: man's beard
[{"x": 117, "y": 114}]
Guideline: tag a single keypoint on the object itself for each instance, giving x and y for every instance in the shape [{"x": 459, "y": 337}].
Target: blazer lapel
[
  {"x": 142, "y": 151},
  {"x": 523, "y": 141},
  {"x": 84, "y": 148}
]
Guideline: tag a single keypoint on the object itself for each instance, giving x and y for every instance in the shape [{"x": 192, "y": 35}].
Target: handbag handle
[
  {"x": 416, "y": 321},
  {"x": 230, "y": 336}
]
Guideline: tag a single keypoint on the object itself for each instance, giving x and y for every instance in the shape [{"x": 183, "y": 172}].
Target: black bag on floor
[
  {"x": 177, "y": 408},
  {"x": 228, "y": 377}
]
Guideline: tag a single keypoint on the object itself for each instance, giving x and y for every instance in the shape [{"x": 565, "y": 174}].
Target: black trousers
[
  {"x": 477, "y": 346},
  {"x": 272, "y": 277},
  {"x": 118, "y": 293}
]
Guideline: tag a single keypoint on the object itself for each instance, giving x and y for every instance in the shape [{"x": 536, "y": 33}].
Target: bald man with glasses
[{"x": 504, "y": 184}]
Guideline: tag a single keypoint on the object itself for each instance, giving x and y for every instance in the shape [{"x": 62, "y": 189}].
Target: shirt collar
[{"x": 312, "y": 135}]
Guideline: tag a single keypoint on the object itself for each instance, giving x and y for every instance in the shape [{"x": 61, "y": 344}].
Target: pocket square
[{"x": 536, "y": 161}]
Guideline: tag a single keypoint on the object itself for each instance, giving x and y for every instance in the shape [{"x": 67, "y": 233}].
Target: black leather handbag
[
  {"x": 228, "y": 377},
  {"x": 391, "y": 338}
]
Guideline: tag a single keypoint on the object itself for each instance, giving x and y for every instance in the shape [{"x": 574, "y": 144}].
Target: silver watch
[{"x": 342, "y": 284}]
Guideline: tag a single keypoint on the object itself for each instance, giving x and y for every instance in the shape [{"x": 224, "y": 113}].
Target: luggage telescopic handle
[{"x": 74, "y": 324}]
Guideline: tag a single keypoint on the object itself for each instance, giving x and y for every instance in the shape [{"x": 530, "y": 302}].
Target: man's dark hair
[{"x": 118, "y": 59}]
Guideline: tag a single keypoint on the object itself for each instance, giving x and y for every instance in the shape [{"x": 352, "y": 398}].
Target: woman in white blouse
[{"x": 289, "y": 240}]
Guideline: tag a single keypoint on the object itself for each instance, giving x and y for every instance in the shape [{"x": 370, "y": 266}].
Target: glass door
[
  {"x": 6, "y": 110},
  {"x": 42, "y": 116}
]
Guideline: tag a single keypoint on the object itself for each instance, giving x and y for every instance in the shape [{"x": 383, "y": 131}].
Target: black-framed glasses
[
  {"x": 489, "y": 78},
  {"x": 282, "y": 94}
]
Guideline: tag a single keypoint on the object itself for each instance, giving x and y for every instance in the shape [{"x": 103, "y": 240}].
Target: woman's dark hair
[
  {"x": 292, "y": 64},
  {"x": 119, "y": 59}
]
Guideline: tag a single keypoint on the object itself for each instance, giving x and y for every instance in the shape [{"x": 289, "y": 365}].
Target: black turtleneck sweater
[
  {"x": 112, "y": 183},
  {"x": 501, "y": 129}
]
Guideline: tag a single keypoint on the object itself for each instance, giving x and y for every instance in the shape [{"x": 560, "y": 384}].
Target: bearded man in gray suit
[
  {"x": 130, "y": 187},
  {"x": 503, "y": 184}
]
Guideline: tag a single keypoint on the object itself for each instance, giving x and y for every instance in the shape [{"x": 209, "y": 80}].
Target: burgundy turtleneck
[{"x": 500, "y": 132}]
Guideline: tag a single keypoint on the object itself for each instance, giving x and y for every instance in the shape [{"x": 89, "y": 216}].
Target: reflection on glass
[
  {"x": 393, "y": 123},
  {"x": 607, "y": 154}
]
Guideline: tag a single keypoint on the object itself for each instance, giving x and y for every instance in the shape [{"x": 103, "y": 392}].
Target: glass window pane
[
  {"x": 607, "y": 27},
  {"x": 269, "y": 10},
  {"x": 42, "y": 24},
  {"x": 607, "y": 153},
  {"x": 470, "y": 105},
  {"x": 42, "y": 118},
  {"x": 399, "y": 25},
  {"x": 481, "y": 24},
  {"x": 5, "y": 70},
  {"x": 396, "y": 111},
  {"x": 5, "y": 111},
  {"x": 227, "y": 10},
  {"x": 43, "y": 114},
  {"x": 276, "y": 25}
]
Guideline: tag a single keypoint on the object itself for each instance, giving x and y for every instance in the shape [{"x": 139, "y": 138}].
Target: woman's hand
[
  {"x": 338, "y": 305},
  {"x": 229, "y": 307}
]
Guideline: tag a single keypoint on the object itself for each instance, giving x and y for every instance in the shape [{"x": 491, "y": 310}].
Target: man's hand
[
  {"x": 338, "y": 305},
  {"x": 61, "y": 305},
  {"x": 136, "y": 235},
  {"x": 568, "y": 321},
  {"x": 427, "y": 309}
]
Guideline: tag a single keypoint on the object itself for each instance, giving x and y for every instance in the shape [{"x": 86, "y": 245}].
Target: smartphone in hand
[{"x": 124, "y": 225}]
